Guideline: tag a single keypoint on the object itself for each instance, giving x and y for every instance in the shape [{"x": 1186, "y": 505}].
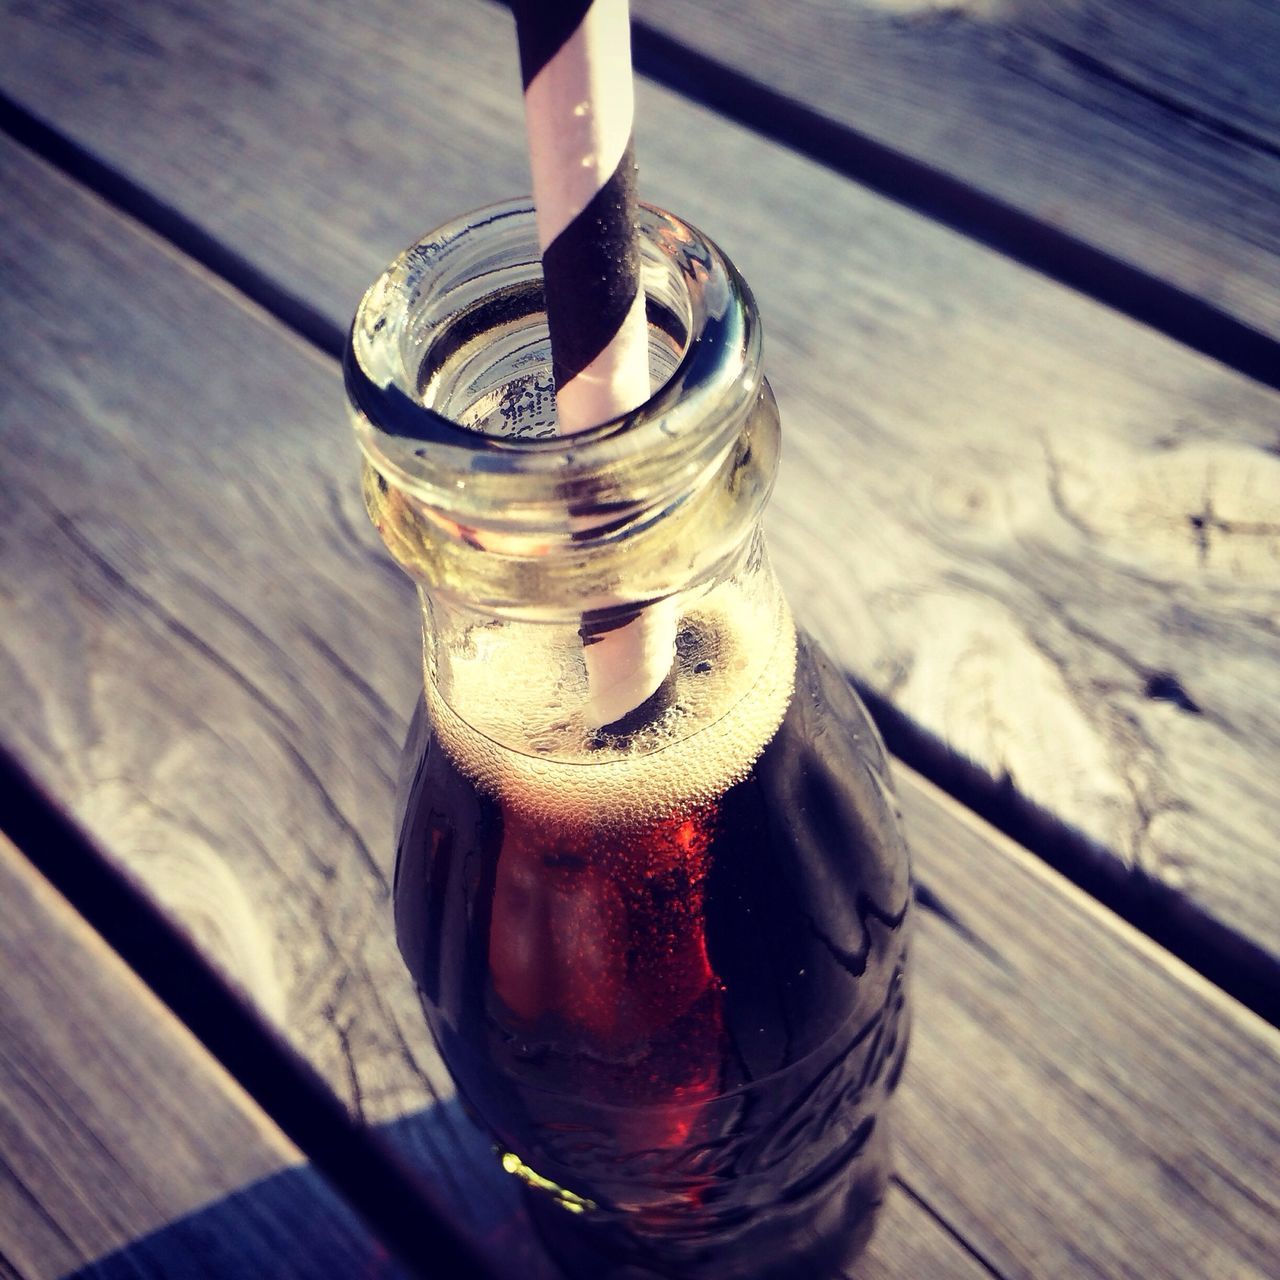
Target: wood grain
[
  {"x": 202, "y": 652},
  {"x": 198, "y": 632},
  {"x": 1100, "y": 1079},
  {"x": 124, "y": 1144},
  {"x": 1055, "y": 536},
  {"x": 1148, "y": 130}
]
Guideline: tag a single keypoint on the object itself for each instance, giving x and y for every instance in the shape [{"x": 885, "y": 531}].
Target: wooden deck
[{"x": 1019, "y": 272}]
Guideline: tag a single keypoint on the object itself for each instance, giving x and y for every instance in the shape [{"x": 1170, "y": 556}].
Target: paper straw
[{"x": 575, "y": 59}]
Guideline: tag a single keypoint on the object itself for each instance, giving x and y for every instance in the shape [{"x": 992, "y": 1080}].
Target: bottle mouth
[{"x": 448, "y": 373}]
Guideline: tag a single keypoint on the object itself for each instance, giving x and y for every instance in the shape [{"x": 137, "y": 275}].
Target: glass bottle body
[
  {"x": 664, "y": 956},
  {"x": 682, "y": 1030}
]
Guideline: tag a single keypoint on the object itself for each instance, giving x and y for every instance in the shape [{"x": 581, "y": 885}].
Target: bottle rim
[{"x": 437, "y": 293}]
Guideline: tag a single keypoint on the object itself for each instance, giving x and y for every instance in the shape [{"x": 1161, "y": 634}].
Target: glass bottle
[{"x": 663, "y": 957}]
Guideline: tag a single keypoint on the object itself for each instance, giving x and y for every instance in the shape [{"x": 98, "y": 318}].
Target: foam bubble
[{"x": 533, "y": 748}]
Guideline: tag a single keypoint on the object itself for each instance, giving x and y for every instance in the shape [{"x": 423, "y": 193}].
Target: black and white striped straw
[
  {"x": 579, "y": 93},
  {"x": 575, "y": 58}
]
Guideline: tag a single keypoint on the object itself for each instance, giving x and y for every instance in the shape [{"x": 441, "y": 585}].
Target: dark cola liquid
[{"x": 682, "y": 1031}]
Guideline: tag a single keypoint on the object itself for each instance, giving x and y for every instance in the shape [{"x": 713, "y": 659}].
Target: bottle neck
[
  {"x": 510, "y": 701},
  {"x": 562, "y": 573},
  {"x": 607, "y": 606}
]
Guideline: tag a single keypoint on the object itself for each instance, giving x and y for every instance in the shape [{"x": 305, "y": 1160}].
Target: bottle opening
[
  {"x": 449, "y": 376},
  {"x": 489, "y": 368}
]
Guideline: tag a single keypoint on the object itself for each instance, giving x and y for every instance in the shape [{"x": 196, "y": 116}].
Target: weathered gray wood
[
  {"x": 1065, "y": 1070},
  {"x": 207, "y": 656},
  {"x": 1055, "y": 536},
  {"x": 1149, "y": 130},
  {"x": 202, "y": 653},
  {"x": 122, "y": 1141}
]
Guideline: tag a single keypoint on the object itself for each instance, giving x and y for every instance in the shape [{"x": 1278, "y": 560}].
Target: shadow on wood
[
  {"x": 292, "y": 1244},
  {"x": 211, "y": 1243}
]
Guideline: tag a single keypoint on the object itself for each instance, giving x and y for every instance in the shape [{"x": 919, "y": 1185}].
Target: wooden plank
[
  {"x": 1148, "y": 130},
  {"x": 201, "y": 656},
  {"x": 1058, "y": 533},
  {"x": 124, "y": 1144},
  {"x": 201, "y": 653},
  {"x": 1082, "y": 1104}
]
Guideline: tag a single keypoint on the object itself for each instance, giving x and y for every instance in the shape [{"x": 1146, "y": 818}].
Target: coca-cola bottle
[{"x": 650, "y": 881}]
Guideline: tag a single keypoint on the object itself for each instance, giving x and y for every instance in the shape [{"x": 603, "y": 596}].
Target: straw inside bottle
[{"x": 579, "y": 112}]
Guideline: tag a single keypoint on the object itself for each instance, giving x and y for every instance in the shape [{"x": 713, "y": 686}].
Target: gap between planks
[
  {"x": 127, "y": 1150},
  {"x": 981, "y": 215},
  {"x": 143, "y": 207}
]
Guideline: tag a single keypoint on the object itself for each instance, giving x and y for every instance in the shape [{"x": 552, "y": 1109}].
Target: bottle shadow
[{"x": 293, "y": 1225}]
